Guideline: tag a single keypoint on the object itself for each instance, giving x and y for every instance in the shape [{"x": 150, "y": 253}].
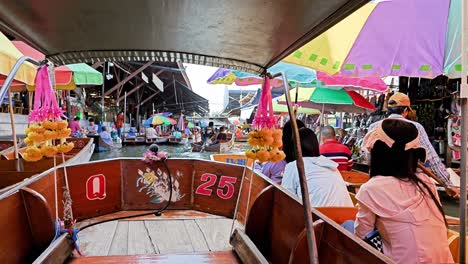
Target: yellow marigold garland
[
  {"x": 41, "y": 138},
  {"x": 265, "y": 144}
]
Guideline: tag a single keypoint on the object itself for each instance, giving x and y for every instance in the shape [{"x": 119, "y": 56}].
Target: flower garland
[
  {"x": 153, "y": 154},
  {"x": 265, "y": 141},
  {"x": 46, "y": 125}
]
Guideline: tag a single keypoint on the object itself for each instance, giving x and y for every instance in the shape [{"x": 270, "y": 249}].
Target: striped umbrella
[
  {"x": 334, "y": 100},
  {"x": 181, "y": 123},
  {"x": 420, "y": 38}
]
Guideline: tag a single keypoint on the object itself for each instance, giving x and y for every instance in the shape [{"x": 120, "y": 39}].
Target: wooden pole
[
  {"x": 13, "y": 129},
  {"x": 311, "y": 242}
]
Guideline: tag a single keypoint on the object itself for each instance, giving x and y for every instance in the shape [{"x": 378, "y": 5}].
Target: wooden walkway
[{"x": 171, "y": 233}]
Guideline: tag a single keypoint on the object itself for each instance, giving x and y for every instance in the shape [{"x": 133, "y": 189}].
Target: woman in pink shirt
[{"x": 400, "y": 203}]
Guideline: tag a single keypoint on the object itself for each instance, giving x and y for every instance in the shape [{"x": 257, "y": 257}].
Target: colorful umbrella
[
  {"x": 156, "y": 120},
  {"x": 190, "y": 125},
  {"x": 166, "y": 114},
  {"x": 303, "y": 76},
  {"x": 335, "y": 100},
  {"x": 9, "y": 54},
  {"x": 68, "y": 76},
  {"x": 282, "y": 108},
  {"x": 390, "y": 38},
  {"x": 171, "y": 121}
]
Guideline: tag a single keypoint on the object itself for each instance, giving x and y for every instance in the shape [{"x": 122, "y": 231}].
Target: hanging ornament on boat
[
  {"x": 46, "y": 126},
  {"x": 265, "y": 141}
]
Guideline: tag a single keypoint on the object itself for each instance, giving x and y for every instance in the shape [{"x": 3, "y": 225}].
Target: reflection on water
[
  {"x": 174, "y": 151},
  {"x": 451, "y": 206}
]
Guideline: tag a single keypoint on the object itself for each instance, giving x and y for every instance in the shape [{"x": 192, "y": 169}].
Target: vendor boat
[
  {"x": 13, "y": 171},
  {"x": 270, "y": 225},
  {"x": 179, "y": 141},
  {"x": 219, "y": 213},
  {"x": 157, "y": 140},
  {"x": 242, "y": 139},
  {"x": 220, "y": 147}
]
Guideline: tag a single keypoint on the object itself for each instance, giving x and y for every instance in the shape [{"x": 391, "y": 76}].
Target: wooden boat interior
[
  {"x": 268, "y": 222},
  {"x": 4, "y": 144},
  {"x": 16, "y": 170}
]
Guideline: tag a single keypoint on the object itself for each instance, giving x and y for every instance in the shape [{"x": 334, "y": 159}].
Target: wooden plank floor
[{"x": 163, "y": 235}]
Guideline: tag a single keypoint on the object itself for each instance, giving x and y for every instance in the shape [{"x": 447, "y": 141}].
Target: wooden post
[
  {"x": 311, "y": 242},
  {"x": 13, "y": 129}
]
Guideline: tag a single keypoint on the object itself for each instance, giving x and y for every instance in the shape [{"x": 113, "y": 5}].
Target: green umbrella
[{"x": 83, "y": 74}]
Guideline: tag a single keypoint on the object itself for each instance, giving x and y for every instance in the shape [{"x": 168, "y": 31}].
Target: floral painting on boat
[{"x": 156, "y": 184}]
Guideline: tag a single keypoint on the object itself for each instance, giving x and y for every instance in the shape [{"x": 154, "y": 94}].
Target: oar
[{"x": 431, "y": 174}]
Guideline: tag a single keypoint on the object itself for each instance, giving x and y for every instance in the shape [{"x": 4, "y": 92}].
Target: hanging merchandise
[
  {"x": 265, "y": 140},
  {"x": 45, "y": 122}
]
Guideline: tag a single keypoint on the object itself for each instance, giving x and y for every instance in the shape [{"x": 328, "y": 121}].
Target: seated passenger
[
  {"x": 151, "y": 132},
  {"x": 106, "y": 136},
  {"x": 131, "y": 133},
  {"x": 402, "y": 204},
  {"x": 92, "y": 128},
  {"x": 334, "y": 150},
  {"x": 177, "y": 134},
  {"x": 324, "y": 181},
  {"x": 222, "y": 136}
]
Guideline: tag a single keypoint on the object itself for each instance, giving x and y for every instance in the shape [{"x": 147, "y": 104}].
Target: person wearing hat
[
  {"x": 398, "y": 201},
  {"x": 399, "y": 107}
]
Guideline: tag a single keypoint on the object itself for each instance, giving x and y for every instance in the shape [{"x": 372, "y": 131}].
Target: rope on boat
[
  {"x": 67, "y": 209},
  {"x": 238, "y": 200},
  {"x": 157, "y": 212},
  {"x": 250, "y": 192},
  {"x": 55, "y": 187}
]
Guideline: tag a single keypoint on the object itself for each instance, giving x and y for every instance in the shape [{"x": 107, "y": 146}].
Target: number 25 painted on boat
[{"x": 225, "y": 188}]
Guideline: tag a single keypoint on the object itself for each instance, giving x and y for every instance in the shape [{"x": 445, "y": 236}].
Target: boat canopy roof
[{"x": 247, "y": 35}]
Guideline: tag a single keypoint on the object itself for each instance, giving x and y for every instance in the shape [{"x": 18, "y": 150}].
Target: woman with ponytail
[{"x": 400, "y": 202}]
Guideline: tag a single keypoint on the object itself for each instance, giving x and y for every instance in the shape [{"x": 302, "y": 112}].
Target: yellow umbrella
[
  {"x": 328, "y": 51},
  {"x": 9, "y": 54}
]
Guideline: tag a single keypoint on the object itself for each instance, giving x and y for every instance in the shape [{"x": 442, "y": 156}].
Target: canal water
[
  {"x": 174, "y": 151},
  {"x": 451, "y": 206}
]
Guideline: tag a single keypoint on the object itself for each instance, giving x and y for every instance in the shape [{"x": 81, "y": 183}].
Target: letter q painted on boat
[{"x": 96, "y": 187}]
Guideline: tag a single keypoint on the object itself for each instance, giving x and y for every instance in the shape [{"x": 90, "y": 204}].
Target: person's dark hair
[
  {"x": 154, "y": 148},
  {"x": 91, "y": 120},
  {"x": 76, "y": 118},
  {"x": 104, "y": 128},
  {"x": 221, "y": 129},
  {"x": 309, "y": 143},
  {"x": 396, "y": 110},
  {"x": 288, "y": 142},
  {"x": 398, "y": 163},
  {"x": 151, "y": 125}
]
